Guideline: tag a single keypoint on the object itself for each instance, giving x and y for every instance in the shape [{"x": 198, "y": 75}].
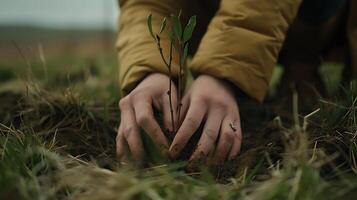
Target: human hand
[
  {"x": 210, "y": 100},
  {"x": 137, "y": 112}
]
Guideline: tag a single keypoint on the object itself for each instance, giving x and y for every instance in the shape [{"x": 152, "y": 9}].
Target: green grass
[{"x": 57, "y": 141}]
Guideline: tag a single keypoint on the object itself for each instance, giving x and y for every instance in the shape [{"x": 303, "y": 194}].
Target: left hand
[{"x": 210, "y": 100}]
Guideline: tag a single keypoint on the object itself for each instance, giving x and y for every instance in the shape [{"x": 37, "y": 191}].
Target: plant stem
[
  {"x": 181, "y": 46},
  {"x": 169, "y": 93}
]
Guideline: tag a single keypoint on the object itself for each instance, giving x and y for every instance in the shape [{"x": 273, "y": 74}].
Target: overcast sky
[{"x": 59, "y": 13}]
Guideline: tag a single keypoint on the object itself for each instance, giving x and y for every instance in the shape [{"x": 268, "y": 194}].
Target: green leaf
[
  {"x": 189, "y": 28},
  {"x": 172, "y": 36},
  {"x": 149, "y": 23},
  {"x": 163, "y": 25},
  {"x": 173, "y": 40},
  {"x": 177, "y": 26},
  {"x": 185, "y": 54}
]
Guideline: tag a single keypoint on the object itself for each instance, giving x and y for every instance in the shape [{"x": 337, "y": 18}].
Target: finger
[
  {"x": 120, "y": 144},
  {"x": 209, "y": 135},
  {"x": 169, "y": 111},
  {"x": 226, "y": 140},
  {"x": 236, "y": 147},
  {"x": 192, "y": 121},
  {"x": 238, "y": 140},
  {"x": 145, "y": 118},
  {"x": 123, "y": 153},
  {"x": 131, "y": 133}
]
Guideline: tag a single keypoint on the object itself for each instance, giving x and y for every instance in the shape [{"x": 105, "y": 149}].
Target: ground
[{"x": 58, "y": 121}]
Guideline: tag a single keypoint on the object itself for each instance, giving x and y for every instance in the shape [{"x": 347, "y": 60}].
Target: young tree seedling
[{"x": 179, "y": 40}]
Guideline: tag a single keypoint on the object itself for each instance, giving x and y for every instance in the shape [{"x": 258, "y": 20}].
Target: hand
[
  {"x": 137, "y": 112},
  {"x": 210, "y": 100}
]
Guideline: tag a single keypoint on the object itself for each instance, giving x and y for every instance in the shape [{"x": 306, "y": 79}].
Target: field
[{"x": 59, "y": 115}]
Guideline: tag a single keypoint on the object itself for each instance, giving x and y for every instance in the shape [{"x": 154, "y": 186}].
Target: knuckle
[
  {"x": 229, "y": 136},
  {"x": 192, "y": 122},
  {"x": 127, "y": 131},
  {"x": 124, "y": 102},
  {"x": 138, "y": 95},
  {"x": 203, "y": 97},
  {"x": 211, "y": 134},
  {"x": 212, "y": 100},
  {"x": 143, "y": 120},
  {"x": 220, "y": 104}
]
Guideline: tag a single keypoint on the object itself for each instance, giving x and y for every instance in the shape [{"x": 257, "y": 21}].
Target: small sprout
[{"x": 179, "y": 41}]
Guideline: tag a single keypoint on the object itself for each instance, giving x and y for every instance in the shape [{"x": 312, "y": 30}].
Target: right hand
[{"x": 137, "y": 112}]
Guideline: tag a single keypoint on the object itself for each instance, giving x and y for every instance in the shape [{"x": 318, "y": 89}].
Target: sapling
[{"x": 179, "y": 40}]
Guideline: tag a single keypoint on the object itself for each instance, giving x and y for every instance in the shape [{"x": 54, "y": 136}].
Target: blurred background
[
  {"x": 80, "y": 26},
  {"x": 59, "y": 42},
  {"x": 64, "y": 14}
]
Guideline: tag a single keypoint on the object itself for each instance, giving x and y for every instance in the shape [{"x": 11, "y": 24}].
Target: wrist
[{"x": 235, "y": 90}]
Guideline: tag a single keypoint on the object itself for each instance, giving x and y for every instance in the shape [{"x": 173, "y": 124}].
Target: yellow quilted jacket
[{"x": 241, "y": 44}]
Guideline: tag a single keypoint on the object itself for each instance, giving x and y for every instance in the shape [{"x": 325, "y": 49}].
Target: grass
[{"x": 57, "y": 141}]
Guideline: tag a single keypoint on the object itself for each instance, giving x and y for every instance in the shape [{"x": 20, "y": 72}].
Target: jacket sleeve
[
  {"x": 243, "y": 42},
  {"x": 138, "y": 54}
]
